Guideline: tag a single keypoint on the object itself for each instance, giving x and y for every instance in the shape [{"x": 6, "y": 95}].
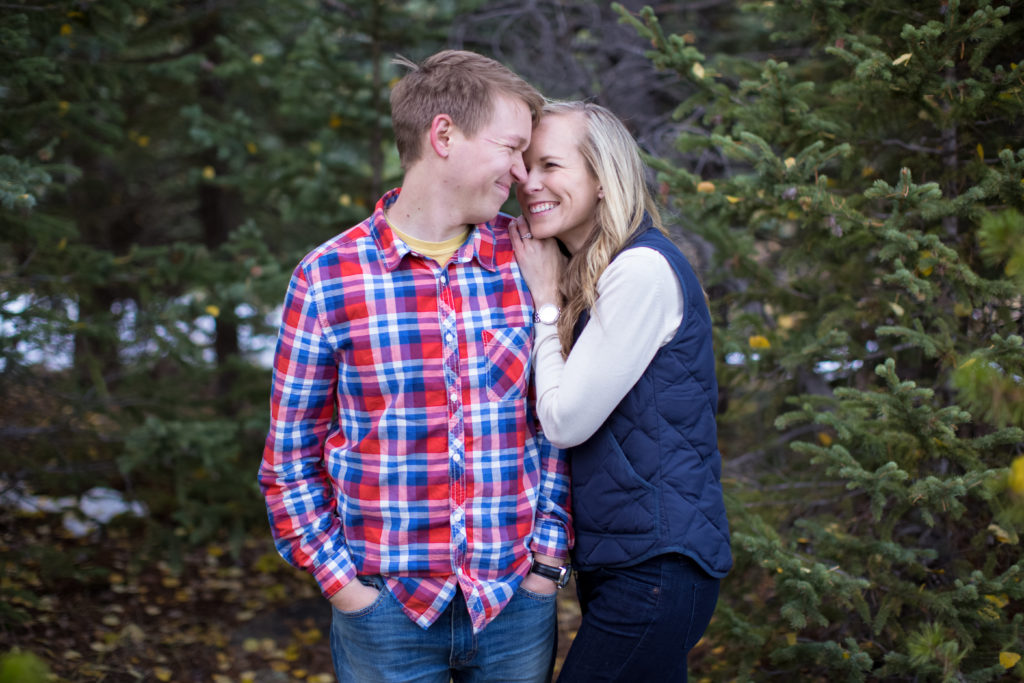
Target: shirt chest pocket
[{"x": 507, "y": 365}]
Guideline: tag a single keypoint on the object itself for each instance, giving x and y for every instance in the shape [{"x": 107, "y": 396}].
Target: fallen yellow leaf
[
  {"x": 1009, "y": 659},
  {"x": 758, "y": 341},
  {"x": 789, "y": 320},
  {"x": 998, "y": 600},
  {"x": 1002, "y": 535},
  {"x": 1016, "y": 480},
  {"x": 310, "y": 637}
]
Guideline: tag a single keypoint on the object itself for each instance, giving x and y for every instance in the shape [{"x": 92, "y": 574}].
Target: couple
[{"x": 411, "y": 467}]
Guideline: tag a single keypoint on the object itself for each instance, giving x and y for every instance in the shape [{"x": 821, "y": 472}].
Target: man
[{"x": 402, "y": 467}]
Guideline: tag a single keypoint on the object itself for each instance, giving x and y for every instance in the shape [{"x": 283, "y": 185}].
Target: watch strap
[{"x": 560, "y": 575}]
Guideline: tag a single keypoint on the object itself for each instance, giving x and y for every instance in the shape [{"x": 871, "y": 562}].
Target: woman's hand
[{"x": 539, "y": 260}]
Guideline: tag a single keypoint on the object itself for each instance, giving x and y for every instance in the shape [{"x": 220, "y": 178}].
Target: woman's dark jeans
[{"x": 639, "y": 623}]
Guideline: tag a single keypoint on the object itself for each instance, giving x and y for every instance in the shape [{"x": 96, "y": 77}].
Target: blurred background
[{"x": 847, "y": 177}]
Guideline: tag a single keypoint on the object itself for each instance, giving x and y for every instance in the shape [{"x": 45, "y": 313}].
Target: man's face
[{"x": 488, "y": 163}]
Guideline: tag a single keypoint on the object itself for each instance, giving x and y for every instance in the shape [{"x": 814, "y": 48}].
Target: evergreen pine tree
[
  {"x": 163, "y": 166},
  {"x": 865, "y": 211}
]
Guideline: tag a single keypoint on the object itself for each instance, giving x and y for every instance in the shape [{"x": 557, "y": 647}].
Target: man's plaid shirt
[{"x": 402, "y": 440}]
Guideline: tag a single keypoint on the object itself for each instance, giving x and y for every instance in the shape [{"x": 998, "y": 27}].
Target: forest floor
[{"x": 92, "y": 610}]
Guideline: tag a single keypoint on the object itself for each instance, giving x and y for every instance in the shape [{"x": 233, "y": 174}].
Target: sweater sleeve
[{"x": 638, "y": 309}]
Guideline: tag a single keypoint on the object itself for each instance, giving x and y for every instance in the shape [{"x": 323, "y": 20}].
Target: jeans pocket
[
  {"x": 537, "y": 597},
  {"x": 363, "y": 611}
]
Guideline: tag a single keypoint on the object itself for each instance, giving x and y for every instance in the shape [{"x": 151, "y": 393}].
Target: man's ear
[{"x": 441, "y": 129}]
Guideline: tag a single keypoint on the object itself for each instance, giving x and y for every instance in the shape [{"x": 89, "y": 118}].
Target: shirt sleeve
[
  {"x": 298, "y": 493},
  {"x": 639, "y": 308},
  {"x": 552, "y": 531}
]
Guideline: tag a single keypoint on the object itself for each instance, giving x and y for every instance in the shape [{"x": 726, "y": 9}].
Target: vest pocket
[
  {"x": 508, "y": 361},
  {"x": 609, "y": 497}
]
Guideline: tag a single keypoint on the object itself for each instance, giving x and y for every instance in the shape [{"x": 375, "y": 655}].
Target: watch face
[{"x": 548, "y": 314}]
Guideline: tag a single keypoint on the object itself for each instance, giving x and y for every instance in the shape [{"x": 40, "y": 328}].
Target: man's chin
[{"x": 476, "y": 219}]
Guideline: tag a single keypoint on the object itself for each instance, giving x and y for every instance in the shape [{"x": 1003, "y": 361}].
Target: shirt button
[
  {"x": 449, "y": 337},
  {"x": 454, "y": 397}
]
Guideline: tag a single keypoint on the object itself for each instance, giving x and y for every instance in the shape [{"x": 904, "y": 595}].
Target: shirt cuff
[
  {"x": 334, "y": 574},
  {"x": 550, "y": 537}
]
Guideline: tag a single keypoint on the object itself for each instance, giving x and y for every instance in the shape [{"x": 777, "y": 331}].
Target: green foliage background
[
  {"x": 162, "y": 168},
  {"x": 865, "y": 212},
  {"x": 854, "y": 175}
]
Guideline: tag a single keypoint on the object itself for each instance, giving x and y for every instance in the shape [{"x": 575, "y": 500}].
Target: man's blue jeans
[
  {"x": 380, "y": 644},
  {"x": 640, "y": 622}
]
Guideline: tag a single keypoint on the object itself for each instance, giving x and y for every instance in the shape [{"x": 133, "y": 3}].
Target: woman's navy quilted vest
[{"x": 648, "y": 481}]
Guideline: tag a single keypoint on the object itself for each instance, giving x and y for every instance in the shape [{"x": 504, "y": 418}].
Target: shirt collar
[{"x": 480, "y": 245}]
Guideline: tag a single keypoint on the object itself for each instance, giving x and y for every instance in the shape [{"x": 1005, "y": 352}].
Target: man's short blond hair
[{"x": 463, "y": 85}]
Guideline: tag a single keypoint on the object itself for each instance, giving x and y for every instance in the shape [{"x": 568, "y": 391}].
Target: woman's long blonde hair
[{"x": 612, "y": 156}]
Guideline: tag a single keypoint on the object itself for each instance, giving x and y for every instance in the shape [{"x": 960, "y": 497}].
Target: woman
[{"x": 625, "y": 381}]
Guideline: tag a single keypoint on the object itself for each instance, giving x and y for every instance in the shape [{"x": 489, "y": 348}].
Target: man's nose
[{"x": 519, "y": 173}]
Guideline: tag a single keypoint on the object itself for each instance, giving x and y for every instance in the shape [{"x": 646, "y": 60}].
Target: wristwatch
[
  {"x": 547, "y": 314},
  {"x": 560, "y": 575}
]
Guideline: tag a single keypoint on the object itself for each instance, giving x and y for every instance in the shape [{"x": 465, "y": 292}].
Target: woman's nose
[{"x": 530, "y": 182}]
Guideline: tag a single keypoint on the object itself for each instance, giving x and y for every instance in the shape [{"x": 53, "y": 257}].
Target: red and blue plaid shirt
[{"x": 402, "y": 440}]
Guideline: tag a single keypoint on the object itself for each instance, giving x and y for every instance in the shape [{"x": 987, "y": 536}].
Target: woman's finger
[{"x": 520, "y": 230}]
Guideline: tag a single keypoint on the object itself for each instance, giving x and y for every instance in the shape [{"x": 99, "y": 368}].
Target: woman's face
[{"x": 559, "y": 197}]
